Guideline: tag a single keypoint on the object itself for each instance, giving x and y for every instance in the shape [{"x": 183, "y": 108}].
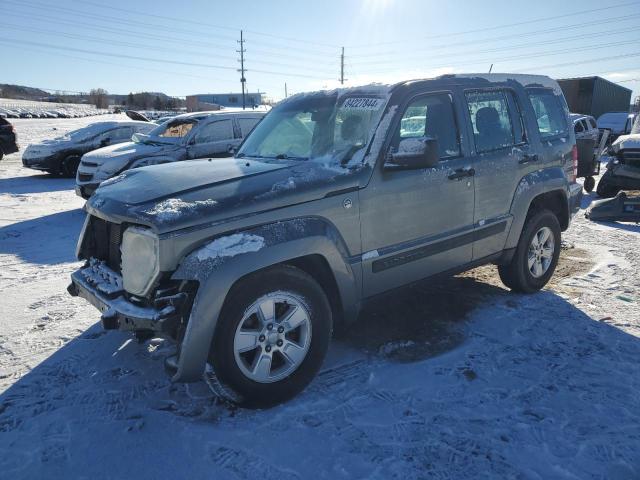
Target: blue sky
[{"x": 190, "y": 46}]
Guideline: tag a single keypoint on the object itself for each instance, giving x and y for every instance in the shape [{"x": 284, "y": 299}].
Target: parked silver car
[
  {"x": 188, "y": 136},
  {"x": 62, "y": 155}
]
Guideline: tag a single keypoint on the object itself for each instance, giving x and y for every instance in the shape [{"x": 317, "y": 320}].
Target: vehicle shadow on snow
[
  {"x": 629, "y": 227},
  {"x": 49, "y": 239},
  {"x": 535, "y": 364},
  {"x": 40, "y": 183}
]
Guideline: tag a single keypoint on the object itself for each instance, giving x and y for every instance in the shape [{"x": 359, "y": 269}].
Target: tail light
[{"x": 574, "y": 164}]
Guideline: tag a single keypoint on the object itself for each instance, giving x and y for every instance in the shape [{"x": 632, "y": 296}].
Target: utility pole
[
  {"x": 243, "y": 80},
  {"x": 342, "y": 67},
  {"x": 285, "y": 90}
]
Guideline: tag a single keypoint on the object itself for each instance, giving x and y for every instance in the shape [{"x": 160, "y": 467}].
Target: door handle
[
  {"x": 461, "y": 173},
  {"x": 528, "y": 159}
]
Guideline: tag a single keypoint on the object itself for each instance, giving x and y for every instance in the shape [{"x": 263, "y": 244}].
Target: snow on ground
[{"x": 454, "y": 379}]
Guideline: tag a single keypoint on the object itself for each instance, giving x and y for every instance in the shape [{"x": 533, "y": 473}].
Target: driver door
[
  {"x": 419, "y": 222},
  {"x": 214, "y": 139}
]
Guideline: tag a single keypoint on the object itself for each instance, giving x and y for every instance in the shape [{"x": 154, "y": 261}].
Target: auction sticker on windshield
[{"x": 362, "y": 103}]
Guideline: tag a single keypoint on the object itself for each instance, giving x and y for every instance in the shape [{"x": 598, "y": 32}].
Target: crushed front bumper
[{"x": 102, "y": 287}]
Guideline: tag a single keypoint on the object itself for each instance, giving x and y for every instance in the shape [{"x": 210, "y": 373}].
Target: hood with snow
[
  {"x": 114, "y": 158},
  {"x": 183, "y": 194}
]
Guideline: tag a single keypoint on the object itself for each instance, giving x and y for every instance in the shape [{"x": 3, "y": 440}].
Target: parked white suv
[{"x": 188, "y": 136}]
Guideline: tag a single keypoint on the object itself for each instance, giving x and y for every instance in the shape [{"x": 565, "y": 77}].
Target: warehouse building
[
  {"x": 213, "y": 101},
  {"x": 595, "y": 95}
]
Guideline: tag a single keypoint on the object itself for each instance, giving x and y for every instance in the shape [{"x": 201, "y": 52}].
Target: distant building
[
  {"x": 213, "y": 101},
  {"x": 595, "y": 95}
]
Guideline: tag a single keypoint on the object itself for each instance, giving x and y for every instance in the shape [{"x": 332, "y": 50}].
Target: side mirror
[
  {"x": 231, "y": 149},
  {"x": 416, "y": 153}
]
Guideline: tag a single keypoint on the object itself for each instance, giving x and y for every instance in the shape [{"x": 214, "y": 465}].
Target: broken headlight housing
[{"x": 140, "y": 262}]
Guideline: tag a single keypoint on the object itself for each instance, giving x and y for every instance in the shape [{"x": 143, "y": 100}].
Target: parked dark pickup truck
[{"x": 248, "y": 262}]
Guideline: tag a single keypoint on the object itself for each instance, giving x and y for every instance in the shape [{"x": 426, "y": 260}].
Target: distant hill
[
  {"x": 21, "y": 92},
  {"x": 145, "y": 100}
]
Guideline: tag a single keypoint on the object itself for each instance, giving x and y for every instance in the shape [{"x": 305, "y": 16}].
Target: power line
[
  {"x": 547, "y": 53},
  {"x": 139, "y": 46},
  {"x": 507, "y": 25},
  {"x": 145, "y": 59},
  {"x": 534, "y": 33},
  {"x": 502, "y": 49},
  {"x": 208, "y": 25},
  {"x": 136, "y": 23}
]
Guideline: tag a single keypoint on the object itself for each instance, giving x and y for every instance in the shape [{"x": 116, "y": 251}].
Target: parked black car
[{"x": 8, "y": 138}]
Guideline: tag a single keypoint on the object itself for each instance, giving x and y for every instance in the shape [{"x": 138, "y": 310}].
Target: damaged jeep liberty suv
[{"x": 248, "y": 262}]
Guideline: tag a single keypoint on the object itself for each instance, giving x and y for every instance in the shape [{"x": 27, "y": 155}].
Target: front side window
[
  {"x": 431, "y": 117},
  {"x": 550, "y": 114},
  {"x": 320, "y": 126},
  {"x": 578, "y": 128},
  {"x": 490, "y": 119},
  {"x": 214, "y": 132}
]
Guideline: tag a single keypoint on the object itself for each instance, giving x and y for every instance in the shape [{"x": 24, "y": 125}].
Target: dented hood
[{"x": 182, "y": 194}]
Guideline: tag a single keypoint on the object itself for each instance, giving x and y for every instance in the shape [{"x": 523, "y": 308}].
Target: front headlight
[{"x": 140, "y": 263}]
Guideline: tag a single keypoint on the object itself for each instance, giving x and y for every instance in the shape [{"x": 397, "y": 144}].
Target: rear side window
[
  {"x": 431, "y": 116},
  {"x": 592, "y": 122},
  {"x": 578, "y": 128},
  {"x": 215, "y": 132},
  {"x": 246, "y": 125},
  {"x": 491, "y": 121},
  {"x": 550, "y": 115}
]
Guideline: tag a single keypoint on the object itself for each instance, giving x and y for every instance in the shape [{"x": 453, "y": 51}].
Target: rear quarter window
[{"x": 550, "y": 114}]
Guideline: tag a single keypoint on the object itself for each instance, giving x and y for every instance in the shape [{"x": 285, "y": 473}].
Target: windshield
[
  {"x": 84, "y": 134},
  {"x": 170, "y": 132},
  {"x": 316, "y": 126}
]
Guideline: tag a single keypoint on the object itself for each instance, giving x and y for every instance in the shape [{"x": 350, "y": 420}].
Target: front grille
[
  {"x": 107, "y": 238},
  {"x": 84, "y": 177}
]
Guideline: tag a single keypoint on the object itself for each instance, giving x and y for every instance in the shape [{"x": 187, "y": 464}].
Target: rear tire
[
  {"x": 606, "y": 189},
  {"x": 536, "y": 255},
  {"x": 256, "y": 352},
  {"x": 589, "y": 183}
]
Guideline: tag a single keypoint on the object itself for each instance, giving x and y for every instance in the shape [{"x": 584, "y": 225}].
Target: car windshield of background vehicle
[
  {"x": 84, "y": 134},
  {"x": 550, "y": 115},
  {"x": 319, "y": 126}
]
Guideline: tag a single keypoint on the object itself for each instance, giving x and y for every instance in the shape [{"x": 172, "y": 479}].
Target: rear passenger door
[
  {"x": 502, "y": 156},
  {"x": 214, "y": 139}
]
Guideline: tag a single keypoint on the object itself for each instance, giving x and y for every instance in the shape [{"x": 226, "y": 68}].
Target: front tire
[
  {"x": 536, "y": 255},
  {"x": 69, "y": 166},
  {"x": 272, "y": 336}
]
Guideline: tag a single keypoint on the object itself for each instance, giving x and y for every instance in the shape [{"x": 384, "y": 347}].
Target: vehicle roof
[
  {"x": 525, "y": 80},
  {"x": 220, "y": 113},
  {"x": 116, "y": 123}
]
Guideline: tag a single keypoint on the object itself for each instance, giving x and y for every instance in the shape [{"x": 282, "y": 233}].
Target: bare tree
[{"x": 98, "y": 97}]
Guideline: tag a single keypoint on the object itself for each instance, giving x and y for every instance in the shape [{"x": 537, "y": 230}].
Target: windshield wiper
[
  {"x": 284, "y": 156},
  {"x": 240, "y": 155}
]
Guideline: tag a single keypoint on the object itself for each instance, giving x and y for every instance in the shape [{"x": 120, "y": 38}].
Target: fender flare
[
  {"x": 531, "y": 186},
  {"x": 264, "y": 246}
]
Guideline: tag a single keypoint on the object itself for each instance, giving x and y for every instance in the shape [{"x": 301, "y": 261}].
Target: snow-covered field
[{"x": 454, "y": 379}]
